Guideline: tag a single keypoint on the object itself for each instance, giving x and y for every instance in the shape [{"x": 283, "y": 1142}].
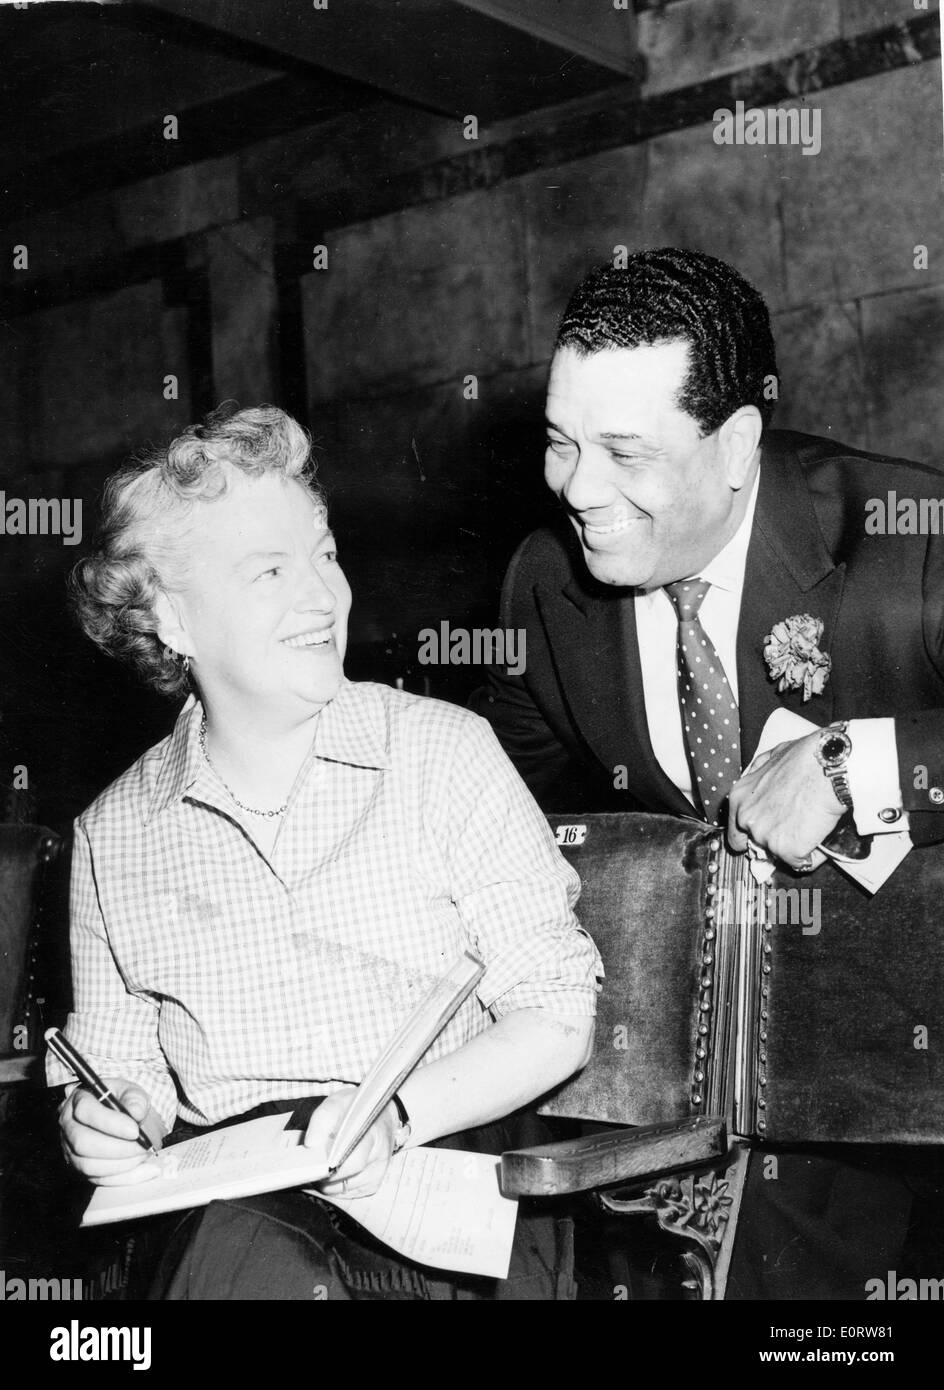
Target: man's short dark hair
[{"x": 671, "y": 295}]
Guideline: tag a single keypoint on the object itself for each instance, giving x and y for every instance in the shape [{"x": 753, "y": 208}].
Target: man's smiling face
[{"x": 651, "y": 500}]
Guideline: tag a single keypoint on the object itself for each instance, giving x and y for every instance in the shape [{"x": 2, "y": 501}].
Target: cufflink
[{"x": 889, "y": 815}]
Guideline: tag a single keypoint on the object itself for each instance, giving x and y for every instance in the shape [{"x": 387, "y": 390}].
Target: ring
[{"x": 806, "y": 866}]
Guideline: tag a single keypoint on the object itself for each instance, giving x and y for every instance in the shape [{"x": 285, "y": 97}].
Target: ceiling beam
[
  {"x": 217, "y": 127},
  {"x": 599, "y": 32},
  {"x": 446, "y": 56}
]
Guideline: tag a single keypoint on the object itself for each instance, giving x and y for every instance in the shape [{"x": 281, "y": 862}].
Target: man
[{"x": 693, "y": 539}]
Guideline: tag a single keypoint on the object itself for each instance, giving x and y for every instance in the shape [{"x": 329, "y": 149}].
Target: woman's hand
[
  {"x": 362, "y": 1171},
  {"x": 102, "y": 1144}
]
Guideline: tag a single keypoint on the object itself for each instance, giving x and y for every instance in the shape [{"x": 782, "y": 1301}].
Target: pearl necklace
[{"x": 242, "y": 806}]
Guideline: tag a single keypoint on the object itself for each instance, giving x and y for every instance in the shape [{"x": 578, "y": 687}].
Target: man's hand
[
  {"x": 103, "y": 1144},
  {"x": 784, "y": 803},
  {"x": 362, "y": 1171}
]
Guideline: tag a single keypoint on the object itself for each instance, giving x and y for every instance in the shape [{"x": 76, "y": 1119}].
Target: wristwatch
[
  {"x": 404, "y": 1129},
  {"x": 832, "y": 754}
]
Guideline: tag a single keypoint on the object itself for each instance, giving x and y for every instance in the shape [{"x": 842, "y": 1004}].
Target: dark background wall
[{"x": 447, "y": 258}]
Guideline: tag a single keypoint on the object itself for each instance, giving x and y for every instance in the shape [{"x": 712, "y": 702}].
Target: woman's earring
[{"x": 171, "y": 655}]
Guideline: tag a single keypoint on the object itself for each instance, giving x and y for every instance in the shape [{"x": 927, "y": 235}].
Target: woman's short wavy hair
[{"x": 139, "y": 551}]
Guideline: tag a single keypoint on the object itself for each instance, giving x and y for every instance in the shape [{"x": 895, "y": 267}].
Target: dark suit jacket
[{"x": 577, "y": 713}]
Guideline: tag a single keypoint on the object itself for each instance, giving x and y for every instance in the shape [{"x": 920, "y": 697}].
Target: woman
[{"x": 259, "y": 901}]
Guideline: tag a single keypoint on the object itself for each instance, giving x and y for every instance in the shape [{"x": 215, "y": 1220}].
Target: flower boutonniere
[{"x": 794, "y": 660}]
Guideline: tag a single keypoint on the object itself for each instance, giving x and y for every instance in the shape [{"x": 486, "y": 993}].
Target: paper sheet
[
  {"x": 441, "y": 1207},
  {"x": 888, "y": 850}
]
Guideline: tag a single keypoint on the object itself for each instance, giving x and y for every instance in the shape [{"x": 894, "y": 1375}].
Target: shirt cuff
[
  {"x": 560, "y": 999},
  {"x": 873, "y": 775}
]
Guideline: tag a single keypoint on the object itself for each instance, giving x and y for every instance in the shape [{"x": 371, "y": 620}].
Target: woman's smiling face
[{"x": 263, "y": 604}]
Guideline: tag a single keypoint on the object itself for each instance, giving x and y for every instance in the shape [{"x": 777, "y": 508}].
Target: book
[
  {"x": 440, "y": 1207},
  {"x": 403, "y": 1052},
  {"x": 801, "y": 1010},
  {"x": 261, "y": 1155},
  {"x": 266, "y": 1154}
]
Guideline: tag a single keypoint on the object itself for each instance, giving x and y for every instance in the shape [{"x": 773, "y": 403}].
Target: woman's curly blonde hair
[{"x": 138, "y": 549}]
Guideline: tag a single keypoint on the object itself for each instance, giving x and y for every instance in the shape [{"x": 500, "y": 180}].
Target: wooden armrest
[
  {"x": 619, "y": 1155},
  {"x": 20, "y": 1067}
]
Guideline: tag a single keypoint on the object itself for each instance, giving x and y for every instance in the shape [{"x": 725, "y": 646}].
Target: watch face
[{"x": 834, "y": 748}]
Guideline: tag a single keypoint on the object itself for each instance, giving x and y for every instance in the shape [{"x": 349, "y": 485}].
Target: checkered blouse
[{"x": 216, "y": 978}]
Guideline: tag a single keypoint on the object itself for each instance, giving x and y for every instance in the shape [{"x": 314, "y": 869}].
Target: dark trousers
[{"x": 821, "y": 1222}]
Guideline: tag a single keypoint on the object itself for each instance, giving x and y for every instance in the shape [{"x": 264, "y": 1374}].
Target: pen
[{"x": 77, "y": 1063}]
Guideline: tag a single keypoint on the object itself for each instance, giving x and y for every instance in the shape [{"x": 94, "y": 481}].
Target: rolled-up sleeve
[
  {"x": 514, "y": 890},
  {"x": 114, "y": 1029}
]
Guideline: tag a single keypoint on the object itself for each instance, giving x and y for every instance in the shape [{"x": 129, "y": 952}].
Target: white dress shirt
[{"x": 873, "y": 764}]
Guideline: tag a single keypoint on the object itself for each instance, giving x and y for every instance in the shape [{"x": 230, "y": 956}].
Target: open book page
[
  {"x": 441, "y": 1207},
  {"x": 256, "y": 1156}
]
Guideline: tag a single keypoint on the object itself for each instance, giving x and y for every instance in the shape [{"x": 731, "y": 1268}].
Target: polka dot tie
[{"x": 709, "y": 712}]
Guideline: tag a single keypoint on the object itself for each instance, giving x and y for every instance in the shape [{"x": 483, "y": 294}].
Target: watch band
[
  {"x": 840, "y": 781},
  {"x": 405, "y": 1128}
]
